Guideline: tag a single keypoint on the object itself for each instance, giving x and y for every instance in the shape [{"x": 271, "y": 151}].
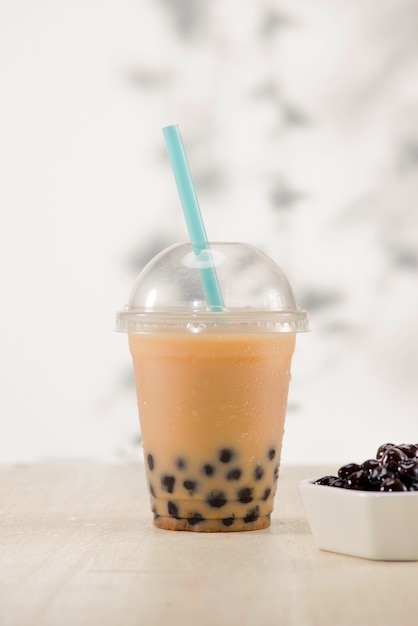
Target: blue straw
[{"x": 193, "y": 217}]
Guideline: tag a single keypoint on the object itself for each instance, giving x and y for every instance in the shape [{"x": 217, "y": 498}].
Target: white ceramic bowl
[{"x": 368, "y": 524}]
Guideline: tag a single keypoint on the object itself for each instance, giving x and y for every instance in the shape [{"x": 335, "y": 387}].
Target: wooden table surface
[{"x": 77, "y": 548}]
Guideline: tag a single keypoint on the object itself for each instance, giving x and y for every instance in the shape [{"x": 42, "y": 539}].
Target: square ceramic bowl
[{"x": 368, "y": 524}]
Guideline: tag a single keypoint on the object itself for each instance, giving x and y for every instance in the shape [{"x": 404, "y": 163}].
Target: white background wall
[{"x": 301, "y": 126}]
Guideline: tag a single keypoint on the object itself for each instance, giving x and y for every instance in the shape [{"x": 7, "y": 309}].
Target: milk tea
[{"x": 212, "y": 410}]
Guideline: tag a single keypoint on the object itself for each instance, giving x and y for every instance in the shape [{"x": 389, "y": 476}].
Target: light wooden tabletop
[{"x": 77, "y": 548}]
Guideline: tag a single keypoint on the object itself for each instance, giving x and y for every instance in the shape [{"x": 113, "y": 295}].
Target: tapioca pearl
[
  {"x": 383, "y": 449},
  {"x": 216, "y": 499},
  {"x": 234, "y": 474},
  {"x": 150, "y": 461},
  {"x": 252, "y": 515},
  {"x": 245, "y": 495},
  {"x": 392, "y": 457},
  {"x": 271, "y": 453},
  {"x": 195, "y": 518},
  {"x": 180, "y": 463},
  {"x": 208, "y": 469},
  {"x": 152, "y": 490},
  {"x": 173, "y": 509},
  {"x": 190, "y": 485},
  {"x": 228, "y": 521},
  {"x": 276, "y": 472},
  {"x": 258, "y": 472},
  {"x": 154, "y": 512},
  {"x": 266, "y": 494},
  {"x": 408, "y": 471},
  {"x": 410, "y": 449},
  {"x": 168, "y": 482},
  {"x": 369, "y": 465},
  {"x": 226, "y": 455},
  {"x": 393, "y": 484}
]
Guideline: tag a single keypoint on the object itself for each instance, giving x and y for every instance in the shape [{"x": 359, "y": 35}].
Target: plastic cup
[{"x": 212, "y": 386}]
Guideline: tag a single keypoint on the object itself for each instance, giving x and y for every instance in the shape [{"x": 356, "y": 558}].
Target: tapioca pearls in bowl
[{"x": 367, "y": 509}]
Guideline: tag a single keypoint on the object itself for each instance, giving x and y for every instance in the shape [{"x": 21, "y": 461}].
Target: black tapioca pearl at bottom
[
  {"x": 271, "y": 453},
  {"x": 258, "y": 472},
  {"x": 172, "y": 509},
  {"x": 276, "y": 473},
  {"x": 228, "y": 521},
  {"x": 234, "y": 474},
  {"x": 195, "y": 518},
  {"x": 216, "y": 499},
  {"x": 190, "y": 485},
  {"x": 245, "y": 495},
  {"x": 154, "y": 511},
  {"x": 208, "y": 469},
  {"x": 150, "y": 461},
  {"x": 168, "y": 482},
  {"x": 226, "y": 455},
  {"x": 180, "y": 463},
  {"x": 266, "y": 494},
  {"x": 152, "y": 490},
  {"x": 252, "y": 515}
]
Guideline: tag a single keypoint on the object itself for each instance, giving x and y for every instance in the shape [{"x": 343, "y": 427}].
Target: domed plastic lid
[{"x": 169, "y": 295}]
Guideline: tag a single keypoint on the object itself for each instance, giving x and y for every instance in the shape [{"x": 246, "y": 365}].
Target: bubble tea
[{"x": 212, "y": 385}]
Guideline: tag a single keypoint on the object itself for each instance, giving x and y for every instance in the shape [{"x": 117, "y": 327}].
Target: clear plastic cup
[{"x": 212, "y": 385}]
